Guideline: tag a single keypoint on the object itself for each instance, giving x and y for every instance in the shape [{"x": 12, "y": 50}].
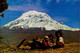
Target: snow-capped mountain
[{"x": 34, "y": 19}]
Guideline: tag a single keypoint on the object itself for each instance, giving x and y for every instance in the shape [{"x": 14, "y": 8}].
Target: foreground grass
[{"x": 69, "y": 48}]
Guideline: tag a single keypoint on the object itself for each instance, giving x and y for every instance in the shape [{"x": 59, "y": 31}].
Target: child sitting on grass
[
  {"x": 51, "y": 38},
  {"x": 47, "y": 42},
  {"x": 60, "y": 40},
  {"x": 36, "y": 44}
]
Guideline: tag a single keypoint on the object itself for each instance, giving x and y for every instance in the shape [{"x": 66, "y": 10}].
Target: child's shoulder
[{"x": 61, "y": 37}]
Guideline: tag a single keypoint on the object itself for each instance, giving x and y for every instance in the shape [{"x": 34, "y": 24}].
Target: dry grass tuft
[{"x": 69, "y": 48}]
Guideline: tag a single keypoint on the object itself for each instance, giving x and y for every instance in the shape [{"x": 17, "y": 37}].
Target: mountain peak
[
  {"x": 33, "y": 13},
  {"x": 34, "y": 19}
]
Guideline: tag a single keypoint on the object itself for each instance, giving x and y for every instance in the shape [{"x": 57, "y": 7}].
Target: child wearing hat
[{"x": 47, "y": 43}]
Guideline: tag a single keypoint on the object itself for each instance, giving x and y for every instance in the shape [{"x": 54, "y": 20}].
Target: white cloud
[
  {"x": 67, "y": 0},
  {"x": 27, "y": 7},
  {"x": 71, "y": 0},
  {"x": 29, "y": 0},
  {"x": 48, "y": 1},
  {"x": 57, "y": 1},
  {"x": 38, "y": 2}
]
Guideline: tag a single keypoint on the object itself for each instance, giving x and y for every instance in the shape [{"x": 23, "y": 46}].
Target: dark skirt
[{"x": 59, "y": 45}]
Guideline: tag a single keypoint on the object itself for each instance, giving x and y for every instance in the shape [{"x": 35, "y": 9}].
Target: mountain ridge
[{"x": 34, "y": 19}]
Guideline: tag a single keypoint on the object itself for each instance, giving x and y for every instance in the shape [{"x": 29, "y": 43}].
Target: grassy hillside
[
  {"x": 16, "y": 37},
  {"x": 71, "y": 39},
  {"x": 69, "y": 48}
]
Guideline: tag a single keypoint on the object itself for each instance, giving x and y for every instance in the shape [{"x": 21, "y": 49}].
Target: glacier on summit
[{"x": 34, "y": 19}]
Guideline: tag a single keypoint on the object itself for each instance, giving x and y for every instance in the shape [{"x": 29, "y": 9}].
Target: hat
[{"x": 46, "y": 37}]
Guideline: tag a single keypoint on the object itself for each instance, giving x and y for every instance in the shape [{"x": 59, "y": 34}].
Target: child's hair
[
  {"x": 50, "y": 36},
  {"x": 37, "y": 38},
  {"x": 33, "y": 40},
  {"x": 59, "y": 31}
]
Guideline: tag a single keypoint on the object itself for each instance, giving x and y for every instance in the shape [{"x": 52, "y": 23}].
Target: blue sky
[{"x": 66, "y": 11}]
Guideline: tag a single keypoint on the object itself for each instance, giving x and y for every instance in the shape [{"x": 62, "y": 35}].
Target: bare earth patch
[{"x": 69, "y": 48}]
